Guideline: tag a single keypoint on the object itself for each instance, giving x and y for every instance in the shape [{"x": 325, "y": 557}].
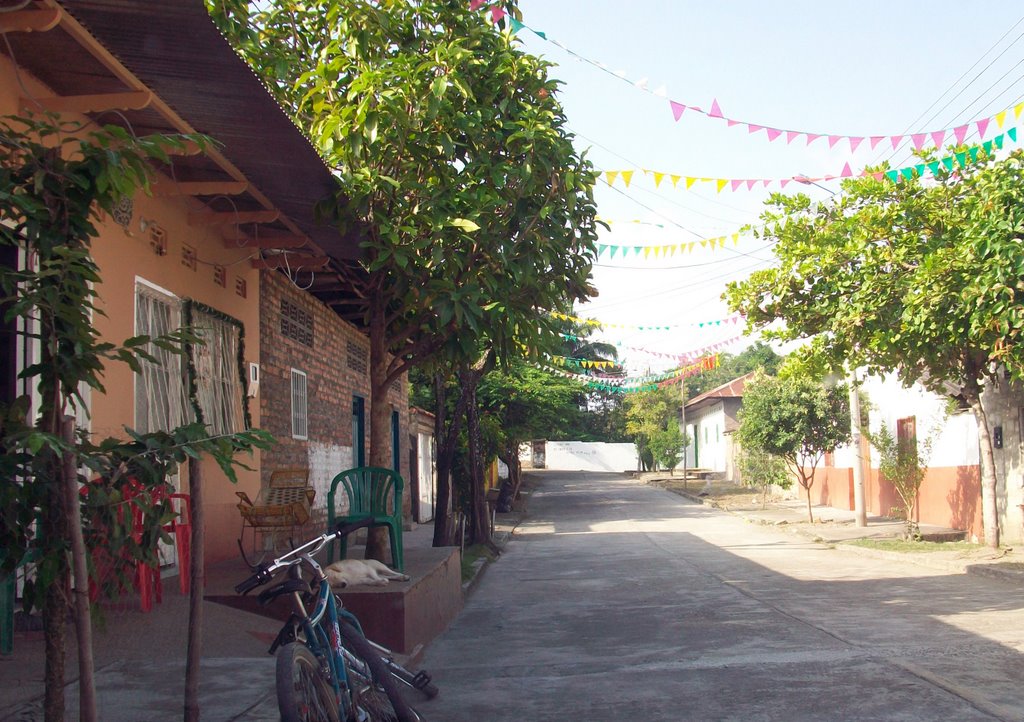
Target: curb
[
  {"x": 992, "y": 570},
  {"x": 500, "y": 539}
]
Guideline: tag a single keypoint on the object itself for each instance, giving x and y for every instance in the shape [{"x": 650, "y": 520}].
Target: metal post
[{"x": 682, "y": 422}]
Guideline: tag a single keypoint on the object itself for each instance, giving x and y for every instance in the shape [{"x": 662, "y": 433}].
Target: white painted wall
[
  {"x": 590, "y": 456},
  {"x": 707, "y": 427},
  {"x": 325, "y": 462}
]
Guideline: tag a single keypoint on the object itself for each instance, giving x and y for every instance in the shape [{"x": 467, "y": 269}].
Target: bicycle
[{"x": 327, "y": 670}]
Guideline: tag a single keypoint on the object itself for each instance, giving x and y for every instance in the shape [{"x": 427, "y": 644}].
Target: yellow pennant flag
[
  {"x": 658, "y": 178},
  {"x": 721, "y": 242},
  {"x": 689, "y": 182},
  {"x": 1000, "y": 118},
  {"x": 647, "y": 251},
  {"x": 627, "y": 176},
  {"x": 735, "y": 239},
  {"x": 690, "y": 246},
  {"x": 675, "y": 180},
  {"x": 1017, "y": 110},
  {"x": 704, "y": 243},
  {"x": 721, "y": 182},
  {"x": 672, "y": 250},
  {"x": 611, "y": 175}
]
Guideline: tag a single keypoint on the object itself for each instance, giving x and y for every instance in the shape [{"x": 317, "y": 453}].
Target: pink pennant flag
[
  {"x": 735, "y": 183},
  {"x": 731, "y": 123},
  {"x": 476, "y": 4},
  {"x": 875, "y": 140},
  {"x": 983, "y": 127},
  {"x": 766, "y": 181},
  {"x": 896, "y": 140},
  {"x": 790, "y": 134},
  {"x": 784, "y": 182},
  {"x": 811, "y": 137},
  {"x": 751, "y": 128},
  {"x": 829, "y": 177},
  {"x": 773, "y": 133},
  {"x": 715, "y": 111},
  {"x": 750, "y": 183},
  {"x": 919, "y": 139},
  {"x": 832, "y": 140},
  {"x": 847, "y": 173},
  {"x": 878, "y": 176},
  {"x": 960, "y": 132},
  {"x": 677, "y": 109},
  {"x": 497, "y": 13},
  {"x": 937, "y": 138},
  {"x": 855, "y": 142}
]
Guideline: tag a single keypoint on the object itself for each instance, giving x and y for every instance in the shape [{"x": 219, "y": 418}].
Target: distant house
[{"x": 711, "y": 421}]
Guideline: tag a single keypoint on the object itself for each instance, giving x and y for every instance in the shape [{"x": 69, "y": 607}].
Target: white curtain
[
  {"x": 161, "y": 401},
  {"x": 218, "y": 382}
]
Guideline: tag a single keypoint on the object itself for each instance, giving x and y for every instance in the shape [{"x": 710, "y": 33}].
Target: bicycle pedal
[{"x": 420, "y": 680}]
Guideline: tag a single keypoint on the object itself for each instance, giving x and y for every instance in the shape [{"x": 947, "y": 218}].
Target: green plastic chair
[{"x": 373, "y": 493}]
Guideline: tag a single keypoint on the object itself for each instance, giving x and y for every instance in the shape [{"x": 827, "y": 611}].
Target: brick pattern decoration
[{"x": 330, "y": 383}]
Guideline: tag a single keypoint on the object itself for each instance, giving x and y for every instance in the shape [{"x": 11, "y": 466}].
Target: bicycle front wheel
[
  {"x": 374, "y": 690},
  {"x": 304, "y": 694}
]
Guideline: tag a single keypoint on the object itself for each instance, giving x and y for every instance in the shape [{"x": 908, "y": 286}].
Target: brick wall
[{"x": 332, "y": 379}]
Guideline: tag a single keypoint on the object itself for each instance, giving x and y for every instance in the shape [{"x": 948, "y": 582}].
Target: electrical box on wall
[
  {"x": 254, "y": 379},
  {"x": 997, "y": 437}
]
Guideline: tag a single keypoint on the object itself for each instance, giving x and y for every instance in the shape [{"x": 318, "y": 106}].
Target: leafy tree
[
  {"x": 667, "y": 445},
  {"x": 761, "y": 470},
  {"x": 797, "y": 419},
  {"x": 915, "y": 277},
  {"x": 649, "y": 413},
  {"x": 475, "y": 212},
  {"x": 53, "y": 178}
]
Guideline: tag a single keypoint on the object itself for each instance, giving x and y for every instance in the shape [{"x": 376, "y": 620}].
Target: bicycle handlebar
[{"x": 265, "y": 572}]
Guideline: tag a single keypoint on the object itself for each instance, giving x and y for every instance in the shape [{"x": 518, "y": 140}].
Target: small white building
[{"x": 711, "y": 421}]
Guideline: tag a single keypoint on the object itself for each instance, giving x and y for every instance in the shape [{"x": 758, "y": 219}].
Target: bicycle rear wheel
[
  {"x": 303, "y": 694},
  {"x": 374, "y": 690}
]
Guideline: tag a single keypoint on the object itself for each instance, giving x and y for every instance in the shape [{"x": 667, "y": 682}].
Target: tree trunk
[
  {"x": 380, "y": 421},
  {"x": 989, "y": 504},
  {"x": 197, "y": 573},
  {"x": 55, "y": 601},
  {"x": 80, "y": 594},
  {"x": 479, "y": 518}
]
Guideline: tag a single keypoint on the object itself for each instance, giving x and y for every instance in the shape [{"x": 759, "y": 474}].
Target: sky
[{"x": 859, "y": 69}]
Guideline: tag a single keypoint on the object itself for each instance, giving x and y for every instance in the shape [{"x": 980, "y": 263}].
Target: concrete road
[{"x": 620, "y": 601}]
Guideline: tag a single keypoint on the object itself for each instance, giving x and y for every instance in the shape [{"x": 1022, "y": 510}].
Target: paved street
[{"x": 617, "y": 600}]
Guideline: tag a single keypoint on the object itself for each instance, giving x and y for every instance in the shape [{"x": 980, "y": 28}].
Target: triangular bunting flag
[
  {"x": 832, "y": 140},
  {"x": 516, "y": 26},
  {"x": 983, "y": 127},
  {"x": 610, "y": 176},
  {"x": 948, "y": 162},
  {"x": 918, "y": 139},
  {"x": 855, "y": 141},
  {"x": 675, "y": 180},
  {"x": 998, "y": 140},
  {"x": 847, "y": 173},
  {"x": 627, "y": 176},
  {"x": 961, "y": 158},
  {"x": 715, "y": 111},
  {"x": 790, "y": 135},
  {"x": 933, "y": 167},
  {"x": 937, "y": 138},
  {"x": 875, "y": 140},
  {"x": 973, "y": 152},
  {"x": 647, "y": 251},
  {"x": 893, "y": 175},
  {"x": 1000, "y": 118},
  {"x": 690, "y": 180},
  {"x": 751, "y": 128},
  {"x": 658, "y": 178},
  {"x": 677, "y": 109},
  {"x": 960, "y": 132},
  {"x": 811, "y": 137},
  {"x": 735, "y": 183},
  {"x": 987, "y": 147},
  {"x": 722, "y": 183},
  {"x": 773, "y": 133},
  {"x": 1012, "y": 132},
  {"x": 1017, "y": 109},
  {"x": 895, "y": 140}
]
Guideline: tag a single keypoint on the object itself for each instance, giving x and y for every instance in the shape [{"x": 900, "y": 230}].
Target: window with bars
[
  {"x": 161, "y": 399},
  {"x": 219, "y": 392},
  {"x": 300, "y": 409}
]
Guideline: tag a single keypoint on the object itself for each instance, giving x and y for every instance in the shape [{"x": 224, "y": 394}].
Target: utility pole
[
  {"x": 682, "y": 423},
  {"x": 858, "y": 459}
]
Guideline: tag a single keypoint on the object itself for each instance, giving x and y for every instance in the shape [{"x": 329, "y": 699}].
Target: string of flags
[
  {"x": 680, "y": 357},
  {"x": 735, "y": 184},
  {"x": 635, "y": 384},
  {"x": 592, "y": 323},
  {"x": 935, "y": 138}
]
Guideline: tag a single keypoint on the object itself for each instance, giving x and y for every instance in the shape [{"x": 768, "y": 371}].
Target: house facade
[
  {"x": 712, "y": 419},
  {"x": 215, "y": 244}
]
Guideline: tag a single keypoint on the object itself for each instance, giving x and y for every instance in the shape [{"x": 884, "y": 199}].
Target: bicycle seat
[{"x": 288, "y": 586}]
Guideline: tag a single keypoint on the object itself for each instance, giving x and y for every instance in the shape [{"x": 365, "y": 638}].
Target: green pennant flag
[
  {"x": 961, "y": 158},
  {"x": 601, "y": 248},
  {"x": 933, "y": 167},
  {"x": 638, "y": 249},
  {"x": 987, "y": 147},
  {"x": 541, "y": 34},
  {"x": 907, "y": 173},
  {"x": 948, "y": 162},
  {"x": 998, "y": 140},
  {"x": 893, "y": 175},
  {"x": 919, "y": 169},
  {"x": 614, "y": 249},
  {"x": 516, "y": 25},
  {"x": 973, "y": 152},
  {"x": 1012, "y": 132}
]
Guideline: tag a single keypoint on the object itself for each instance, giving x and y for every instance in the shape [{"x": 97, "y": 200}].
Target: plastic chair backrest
[{"x": 372, "y": 490}]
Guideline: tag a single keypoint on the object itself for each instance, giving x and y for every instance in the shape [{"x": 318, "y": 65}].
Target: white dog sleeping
[{"x": 352, "y": 572}]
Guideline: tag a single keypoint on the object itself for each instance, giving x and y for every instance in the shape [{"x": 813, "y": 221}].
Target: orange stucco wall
[{"x": 124, "y": 254}]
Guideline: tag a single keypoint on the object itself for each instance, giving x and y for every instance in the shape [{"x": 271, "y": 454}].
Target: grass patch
[
  {"x": 899, "y": 545},
  {"x": 470, "y": 555}
]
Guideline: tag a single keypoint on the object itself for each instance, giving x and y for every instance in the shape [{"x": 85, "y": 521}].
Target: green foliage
[
  {"x": 731, "y": 366},
  {"x": 667, "y": 445},
  {"x": 761, "y": 470},
  {"x": 648, "y": 414},
  {"x": 796, "y": 419}
]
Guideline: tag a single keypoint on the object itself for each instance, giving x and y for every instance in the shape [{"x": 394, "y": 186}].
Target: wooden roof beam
[
  {"x": 133, "y": 100},
  {"x": 165, "y": 188},
  {"x": 266, "y": 241},
  {"x": 29, "y": 21}
]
